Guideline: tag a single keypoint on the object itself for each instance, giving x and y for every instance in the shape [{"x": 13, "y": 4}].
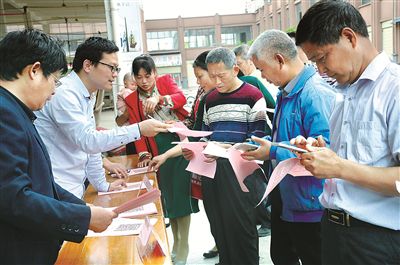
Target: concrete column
[
  {"x": 2, "y": 20},
  {"x": 27, "y": 18},
  {"x": 376, "y": 24},
  {"x": 114, "y": 34},
  {"x": 181, "y": 43},
  {"x": 109, "y": 24},
  {"x": 217, "y": 23},
  {"x": 396, "y": 31}
]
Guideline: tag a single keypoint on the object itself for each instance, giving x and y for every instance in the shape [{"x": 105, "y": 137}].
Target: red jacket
[{"x": 165, "y": 86}]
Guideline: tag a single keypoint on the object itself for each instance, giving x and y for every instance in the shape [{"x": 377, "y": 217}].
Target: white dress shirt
[
  {"x": 365, "y": 128},
  {"x": 67, "y": 126}
]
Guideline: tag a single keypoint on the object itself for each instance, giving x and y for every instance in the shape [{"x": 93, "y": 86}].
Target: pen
[
  {"x": 289, "y": 147},
  {"x": 149, "y": 116}
]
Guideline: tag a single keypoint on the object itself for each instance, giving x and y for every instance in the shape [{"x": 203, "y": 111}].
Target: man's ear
[
  {"x": 236, "y": 69},
  {"x": 279, "y": 59},
  {"x": 349, "y": 35},
  {"x": 87, "y": 65},
  {"x": 34, "y": 69}
]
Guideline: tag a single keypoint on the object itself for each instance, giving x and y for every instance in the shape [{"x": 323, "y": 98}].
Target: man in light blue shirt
[
  {"x": 361, "y": 224},
  {"x": 67, "y": 125}
]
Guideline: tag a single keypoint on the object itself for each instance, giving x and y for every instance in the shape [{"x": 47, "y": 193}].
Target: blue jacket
[
  {"x": 36, "y": 214},
  {"x": 305, "y": 111}
]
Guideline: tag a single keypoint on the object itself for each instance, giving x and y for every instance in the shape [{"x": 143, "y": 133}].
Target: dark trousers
[
  {"x": 290, "y": 241},
  {"x": 231, "y": 217},
  {"x": 361, "y": 243},
  {"x": 263, "y": 215}
]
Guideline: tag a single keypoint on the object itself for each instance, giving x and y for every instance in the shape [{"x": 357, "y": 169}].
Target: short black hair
[
  {"x": 92, "y": 49},
  {"x": 200, "y": 61},
  {"x": 143, "y": 61},
  {"x": 291, "y": 34},
  {"x": 323, "y": 23},
  {"x": 19, "y": 49}
]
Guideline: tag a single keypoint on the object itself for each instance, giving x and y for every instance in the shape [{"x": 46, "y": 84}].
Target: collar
[
  {"x": 27, "y": 110},
  {"x": 80, "y": 86},
  {"x": 296, "y": 84},
  {"x": 375, "y": 67}
]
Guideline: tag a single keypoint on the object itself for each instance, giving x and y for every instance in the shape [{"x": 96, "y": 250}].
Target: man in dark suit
[{"x": 36, "y": 214}]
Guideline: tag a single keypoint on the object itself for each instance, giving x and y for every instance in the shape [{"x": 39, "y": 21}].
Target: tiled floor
[{"x": 200, "y": 239}]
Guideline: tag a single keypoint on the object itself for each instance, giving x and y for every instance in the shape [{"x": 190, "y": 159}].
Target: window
[
  {"x": 287, "y": 18},
  {"x": 299, "y": 14},
  {"x": 162, "y": 40},
  {"x": 235, "y": 35},
  {"x": 10, "y": 28},
  {"x": 387, "y": 38},
  {"x": 369, "y": 29},
  {"x": 364, "y": 2},
  {"x": 312, "y": 2},
  {"x": 280, "y": 21},
  {"x": 195, "y": 38},
  {"x": 76, "y": 33},
  {"x": 270, "y": 22}
]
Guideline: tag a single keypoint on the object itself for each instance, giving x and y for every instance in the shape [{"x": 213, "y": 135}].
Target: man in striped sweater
[{"x": 234, "y": 111}]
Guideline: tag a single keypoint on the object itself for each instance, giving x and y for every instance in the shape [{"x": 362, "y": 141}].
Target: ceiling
[{"x": 51, "y": 11}]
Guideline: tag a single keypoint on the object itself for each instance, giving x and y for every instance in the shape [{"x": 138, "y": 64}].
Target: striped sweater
[{"x": 235, "y": 116}]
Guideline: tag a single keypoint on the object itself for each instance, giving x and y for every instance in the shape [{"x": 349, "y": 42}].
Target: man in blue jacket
[
  {"x": 303, "y": 108},
  {"x": 36, "y": 214}
]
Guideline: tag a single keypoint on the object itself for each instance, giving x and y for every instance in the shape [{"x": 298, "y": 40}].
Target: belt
[{"x": 342, "y": 218}]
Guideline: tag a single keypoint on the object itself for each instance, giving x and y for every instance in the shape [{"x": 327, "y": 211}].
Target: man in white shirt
[
  {"x": 361, "y": 224},
  {"x": 67, "y": 123},
  {"x": 247, "y": 66}
]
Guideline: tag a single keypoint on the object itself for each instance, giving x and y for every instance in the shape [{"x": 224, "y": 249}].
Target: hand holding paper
[{"x": 100, "y": 218}]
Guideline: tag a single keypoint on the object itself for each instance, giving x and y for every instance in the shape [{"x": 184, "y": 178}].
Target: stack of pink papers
[{"x": 143, "y": 199}]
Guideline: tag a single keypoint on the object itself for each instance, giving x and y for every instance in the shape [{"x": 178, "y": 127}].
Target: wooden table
[{"x": 115, "y": 249}]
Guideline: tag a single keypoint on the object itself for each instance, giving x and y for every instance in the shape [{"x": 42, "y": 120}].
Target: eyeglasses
[
  {"x": 57, "y": 81},
  {"x": 113, "y": 68}
]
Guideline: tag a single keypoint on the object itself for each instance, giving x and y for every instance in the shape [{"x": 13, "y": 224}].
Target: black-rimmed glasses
[{"x": 113, "y": 68}]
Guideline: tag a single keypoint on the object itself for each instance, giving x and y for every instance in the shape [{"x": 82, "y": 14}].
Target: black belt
[{"x": 342, "y": 218}]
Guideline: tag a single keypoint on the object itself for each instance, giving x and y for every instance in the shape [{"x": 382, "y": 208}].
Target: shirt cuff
[
  {"x": 104, "y": 186},
  {"x": 133, "y": 132}
]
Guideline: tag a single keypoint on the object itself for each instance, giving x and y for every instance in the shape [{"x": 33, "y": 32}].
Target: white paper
[
  {"x": 213, "y": 149},
  {"x": 122, "y": 227},
  {"x": 131, "y": 186}
]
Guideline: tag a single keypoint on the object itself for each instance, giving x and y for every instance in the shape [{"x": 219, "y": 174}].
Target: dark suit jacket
[{"x": 36, "y": 214}]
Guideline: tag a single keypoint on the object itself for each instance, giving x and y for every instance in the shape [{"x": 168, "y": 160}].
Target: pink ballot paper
[
  {"x": 143, "y": 199},
  {"x": 197, "y": 164},
  {"x": 241, "y": 167},
  {"x": 183, "y": 131},
  {"x": 290, "y": 166}
]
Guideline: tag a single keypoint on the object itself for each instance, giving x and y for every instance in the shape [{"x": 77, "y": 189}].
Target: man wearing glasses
[{"x": 67, "y": 123}]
